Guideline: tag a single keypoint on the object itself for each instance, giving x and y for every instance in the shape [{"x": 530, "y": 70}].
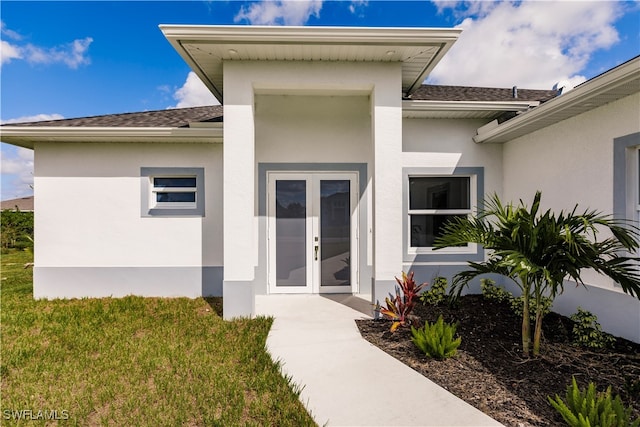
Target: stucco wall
[
  {"x": 440, "y": 146},
  {"x": 572, "y": 162},
  {"x": 90, "y": 230},
  {"x": 309, "y": 112},
  {"x": 316, "y": 130}
]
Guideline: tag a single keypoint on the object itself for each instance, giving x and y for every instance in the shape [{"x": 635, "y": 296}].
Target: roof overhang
[
  {"x": 615, "y": 84},
  {"x": 463, "y": 109},
  {"x": 29, "y": 135},
  {"x": 206, "y": 47}
]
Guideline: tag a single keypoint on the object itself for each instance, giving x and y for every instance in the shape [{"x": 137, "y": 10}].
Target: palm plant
[{"x": 539, "y": 251}]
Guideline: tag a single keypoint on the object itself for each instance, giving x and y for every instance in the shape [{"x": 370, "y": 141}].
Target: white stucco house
[{"x": 330, "y": 171}]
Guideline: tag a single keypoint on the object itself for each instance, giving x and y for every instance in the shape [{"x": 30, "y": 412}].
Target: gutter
[
  {"x": 27, "y": 136},
  {"x": 426, "y": 105}
]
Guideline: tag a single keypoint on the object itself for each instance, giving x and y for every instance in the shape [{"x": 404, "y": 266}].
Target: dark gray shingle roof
[
  {"x": 178, "y": 117},
  {"x": 181, "y": 117},
  {"x": 469, "y": 93}
]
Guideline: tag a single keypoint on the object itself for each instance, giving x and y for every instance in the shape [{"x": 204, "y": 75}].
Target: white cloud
[
  {"x": 279, "y": 12},
  {"x": 8, "y": 52},
  {"x": 193, "y": 93},
  {"x": 73, "y": 54},
  {"x": 34, "y": 118},
  {"x": 357, "y": 5},
  {"x": 9, "y": 33},
  {"x": 16, "y": 163},
  {"x": 17, "y": 172},
  {"x": 526, "y": 44}
]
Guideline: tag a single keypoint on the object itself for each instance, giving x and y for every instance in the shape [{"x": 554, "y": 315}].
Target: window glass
[
  {"x": 175, "y": 182},
  {"x": 176, "y": 197},
  {"x": 425, "y": 228},
  {"x": 172, "y": 191},
  {"x": 439, "y": 193},
  {"x": 433, "y": 201}
]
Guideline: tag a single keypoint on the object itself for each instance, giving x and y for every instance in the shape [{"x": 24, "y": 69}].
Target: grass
[{"x": 135, "y": 361}]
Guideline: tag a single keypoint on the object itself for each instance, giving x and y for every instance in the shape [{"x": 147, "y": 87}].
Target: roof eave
[
  {"x": 179, "y": 34},
  {"x": 27, "y": 136},
  {"x": 432, "y": 105},
  {"x": 486, "y": 110},
  {"x": 583, "y": 96}
]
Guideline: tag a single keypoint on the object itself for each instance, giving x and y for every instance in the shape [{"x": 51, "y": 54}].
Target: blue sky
[{"x": 74, "y": 59}]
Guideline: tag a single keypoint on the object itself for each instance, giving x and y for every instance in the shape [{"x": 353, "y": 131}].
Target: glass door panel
[
  {"x": 312, "y": 224},
  {"x": 335, "y": 233},
  {"x": 291, "y": 232}
]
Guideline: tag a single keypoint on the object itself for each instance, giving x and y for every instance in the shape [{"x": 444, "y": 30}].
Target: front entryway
[{"x": 312, "y": 232}]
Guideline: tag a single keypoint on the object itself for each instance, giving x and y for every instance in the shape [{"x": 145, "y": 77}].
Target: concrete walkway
[{"x": 346, "y": 380}]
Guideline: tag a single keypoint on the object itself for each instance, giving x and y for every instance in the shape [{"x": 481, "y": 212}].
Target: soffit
[{"x": 205, "y": 48}]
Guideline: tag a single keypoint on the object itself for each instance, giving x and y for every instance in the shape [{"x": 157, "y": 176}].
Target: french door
[{"x": 312, "y": 228}]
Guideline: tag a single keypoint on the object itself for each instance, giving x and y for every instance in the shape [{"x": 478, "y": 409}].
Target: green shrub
[
  {"x": 588, "y": 408},
  {"x": 587, "y": 332},
  {"x": 545, "y": 304},
  {"x": 437, "y": 293},
  {"x": 493, "y": 293},
  {"x": 436, "y": 339},
  {"x": 16, "y": 229}
]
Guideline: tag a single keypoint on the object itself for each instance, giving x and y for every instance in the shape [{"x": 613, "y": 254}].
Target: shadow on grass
[{"x": 215, "y": 303}]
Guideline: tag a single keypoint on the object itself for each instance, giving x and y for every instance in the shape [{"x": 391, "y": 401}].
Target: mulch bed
[{"x": 490, "y": 372}]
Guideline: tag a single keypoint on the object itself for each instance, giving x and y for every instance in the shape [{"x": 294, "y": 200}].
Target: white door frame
[{"x": 312, "y": 274}]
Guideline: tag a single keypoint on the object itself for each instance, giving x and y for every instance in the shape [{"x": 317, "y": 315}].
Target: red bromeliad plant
[{"x": 399, "y": 308}]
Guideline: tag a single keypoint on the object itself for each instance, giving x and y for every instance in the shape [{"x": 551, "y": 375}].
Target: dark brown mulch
[{"x": 490, "y": 372}]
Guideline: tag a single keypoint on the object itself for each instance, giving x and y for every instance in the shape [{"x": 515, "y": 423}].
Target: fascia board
[
  {"x": 26, "y": 136},
  {"x": 599, "y": 85},
  {"x": 467, "y": 105},
  {"x": 298, "y": 35}
]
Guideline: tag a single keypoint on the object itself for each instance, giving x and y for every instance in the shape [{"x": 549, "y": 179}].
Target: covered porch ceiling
[{"x": 205, "y": 48}]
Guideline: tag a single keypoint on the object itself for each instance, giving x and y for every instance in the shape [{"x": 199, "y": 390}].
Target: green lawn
[{"x": 135, "y": 361}]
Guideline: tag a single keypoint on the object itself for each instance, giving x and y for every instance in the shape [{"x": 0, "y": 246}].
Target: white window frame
[
  {"x": 155, "y": 189},
  {"x": 151, "y": 207},
  {"x": 469, "y": 248}
]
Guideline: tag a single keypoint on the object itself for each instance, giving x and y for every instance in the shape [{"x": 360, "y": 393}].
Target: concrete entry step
[{"x": 346, "y": 380}]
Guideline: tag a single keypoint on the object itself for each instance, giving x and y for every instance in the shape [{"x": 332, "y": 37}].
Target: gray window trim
[
  {"x": 435, "y": 171},
  {"x": 147, "y": 173},
  {"x": 623, "y": 149}
]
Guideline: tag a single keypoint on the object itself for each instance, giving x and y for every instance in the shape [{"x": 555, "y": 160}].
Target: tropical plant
[
  {"x": 494, "y": 293},
  {"x": 538, "y": 251},
  {"x": 437, "y": 293},
  {"x": 544, "y": 306},
  {"x": 587, "y": 332},
  {"x": 436, "y": 339},
  {"x": 399, "y": 308},
  {"x": 588, "y": 408}
]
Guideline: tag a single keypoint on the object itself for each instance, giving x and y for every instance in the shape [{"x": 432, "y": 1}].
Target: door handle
[{"x": 315, "y": 249}]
